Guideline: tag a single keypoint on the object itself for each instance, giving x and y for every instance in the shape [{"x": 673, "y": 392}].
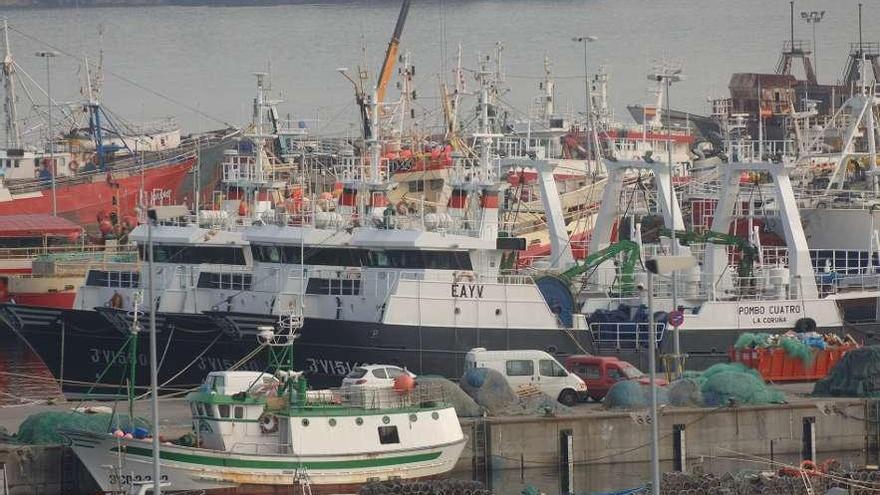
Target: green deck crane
[
  {"x": 630, "y": 255},
  {"x": 748, "y": 250}
]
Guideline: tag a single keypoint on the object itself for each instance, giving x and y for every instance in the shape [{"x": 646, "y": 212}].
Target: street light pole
[
  {"x": 658, "y": 265},
  {"x": 813, "y": 18},
  {"x": 592, "y": 142},
  {"x": 669, "y": 76},
  {"x": 49, "y": 136}
]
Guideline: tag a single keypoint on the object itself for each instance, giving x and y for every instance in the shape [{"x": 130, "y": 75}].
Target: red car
[{"x": 600, "y": 373}]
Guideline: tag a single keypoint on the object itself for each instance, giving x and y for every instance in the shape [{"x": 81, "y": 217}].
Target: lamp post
[
  {"x": 154, "y": 216},
  {"x": 49, "y": 55},
  {"x": 669, "y": 76},
  {"x": 658, "y": 265},
  {"x": 814, "y": 17},
  {"x": 592, "y": 144}
]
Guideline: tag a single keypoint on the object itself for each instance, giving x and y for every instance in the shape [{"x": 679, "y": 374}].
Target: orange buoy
[{"x": 404, "y": 383}]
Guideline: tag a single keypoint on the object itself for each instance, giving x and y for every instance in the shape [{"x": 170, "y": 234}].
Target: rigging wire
[{"x": 131, "y": 82}]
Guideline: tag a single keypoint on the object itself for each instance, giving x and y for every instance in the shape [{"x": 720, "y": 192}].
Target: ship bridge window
[
  {"x": 223, "y": 409},
  {"x": 266, "y": 254},
  {"x": 421, "y": 260},
  {"x": 334, "y": 286},
  {"x": 214, "y": 255},
  {"x": 388, "y": 434},
  {"x": 237, "y": 281},
  {"x": 333, "y": 257},
  {"x": 101, "y": 278},
  {"x": 313, "y": 256}
]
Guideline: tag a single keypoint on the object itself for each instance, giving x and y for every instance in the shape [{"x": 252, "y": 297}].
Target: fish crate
[{"x": 775, "y": 365}]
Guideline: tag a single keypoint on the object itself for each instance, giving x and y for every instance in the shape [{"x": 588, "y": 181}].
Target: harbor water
[{"x": 194, "y": 63}]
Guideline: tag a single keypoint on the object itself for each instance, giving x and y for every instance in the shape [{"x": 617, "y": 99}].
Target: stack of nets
[
  {"x": 857, "y": 374},
  {"x": 736, "y": 383},
  {"x": 465, "y": 407},
  {"x": 424, "y": 487},
  {"x": 799, "y": 346},
  {"x": 42, "y": 428},
  {"x": 490, "y": 389},
  {"x": 719, "y": 385},
  {"x": 631, "y": 394}
]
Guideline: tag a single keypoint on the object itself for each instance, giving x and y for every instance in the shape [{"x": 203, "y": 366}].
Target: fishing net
[
  {"x": 685, "y": 392},
  {"x": 796, "y": 345},
  {"x": 725, "y": 383},
  {"x": 42, "y": 428},
  {"x": 490, "y": 390},
  {"x": 752, "y": 340},
  {"x": 465, "y": 407},
  {"x": 631, "y": 394},
  {"x": 797, "y": 349},
  {"x": 857, "y": 374}
]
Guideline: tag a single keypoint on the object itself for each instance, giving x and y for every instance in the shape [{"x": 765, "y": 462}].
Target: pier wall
[
  {"x": 605, "y": 437},
  {"x": 43, "y": 469}
]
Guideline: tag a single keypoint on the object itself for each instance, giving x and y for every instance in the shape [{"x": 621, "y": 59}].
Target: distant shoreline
[{"x": 69, "y": 4}]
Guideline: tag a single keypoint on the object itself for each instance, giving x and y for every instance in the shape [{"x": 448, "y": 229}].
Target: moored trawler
[{"x": 256, "y": 431}]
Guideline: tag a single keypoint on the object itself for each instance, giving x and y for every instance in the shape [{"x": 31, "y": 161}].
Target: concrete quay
[{"x": 589, "y": 436}]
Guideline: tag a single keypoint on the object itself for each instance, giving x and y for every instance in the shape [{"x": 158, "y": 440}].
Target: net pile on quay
[{"x": 787, "y": 480}]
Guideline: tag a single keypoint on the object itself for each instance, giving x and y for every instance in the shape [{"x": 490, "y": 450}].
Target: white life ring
[{"x": 268, "y": 423}]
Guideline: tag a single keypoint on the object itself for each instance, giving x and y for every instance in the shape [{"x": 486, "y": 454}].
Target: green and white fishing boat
[{"x": 256, "y": 432}]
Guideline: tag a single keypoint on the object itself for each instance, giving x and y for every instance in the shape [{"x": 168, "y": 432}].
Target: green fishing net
[
  {"x": 857, "y": 374},
  {"x": 42, "y": 428}
]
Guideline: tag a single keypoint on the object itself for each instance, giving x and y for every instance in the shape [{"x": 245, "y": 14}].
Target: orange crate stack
[{"x": 776, "y": 366}]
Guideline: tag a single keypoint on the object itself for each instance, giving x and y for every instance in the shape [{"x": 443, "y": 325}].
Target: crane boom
[
  {"x": 391, "y": 54},
  {"x": 631, "y": 254},
  {"x": 747, "y": 249}
]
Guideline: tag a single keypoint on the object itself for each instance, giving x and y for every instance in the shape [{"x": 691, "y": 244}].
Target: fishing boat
[
  {"x": 101, "y": 171},
  {"x": 258, "y": 432}
]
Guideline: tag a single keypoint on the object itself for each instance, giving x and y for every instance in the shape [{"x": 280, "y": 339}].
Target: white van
[{"x": 531, "y": 368}]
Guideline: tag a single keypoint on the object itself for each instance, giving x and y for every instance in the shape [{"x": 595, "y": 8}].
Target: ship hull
[
  {"x": 188, "y": 468},
  {"x": 83, "y": 202},
  {"x": 190, "y": 346}
]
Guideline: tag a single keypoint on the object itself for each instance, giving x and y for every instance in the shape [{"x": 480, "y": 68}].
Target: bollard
[
  {"x": 809, "y": 439},
  {"x": 679, "y": 448},
  {"x": 566, "y": 462}
]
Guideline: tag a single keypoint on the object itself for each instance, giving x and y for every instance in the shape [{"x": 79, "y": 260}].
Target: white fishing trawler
[{"x": 255, "y": 431}]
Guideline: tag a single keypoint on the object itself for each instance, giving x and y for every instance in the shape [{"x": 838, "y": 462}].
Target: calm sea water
[{"x": 201, "y": 58}]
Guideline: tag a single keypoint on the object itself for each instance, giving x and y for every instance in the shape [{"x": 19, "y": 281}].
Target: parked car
[
  {"x": 600, "y": 373},
  {"x": 535, "y": 368},
  {"x": 373, "y": 376}
]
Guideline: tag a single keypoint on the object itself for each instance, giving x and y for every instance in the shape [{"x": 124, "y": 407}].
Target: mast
[{"x": 13, "y": 133}]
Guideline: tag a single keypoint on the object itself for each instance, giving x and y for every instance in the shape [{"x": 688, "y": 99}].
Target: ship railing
[
  {"x": 355, "y": 169},
  {"x": 118, "y": 166},
  {"x": 626, "y": 335},
  {"x": 467, "y": 170},
  {"x": 91, "y": 250},
  {"x": 838, "y": 199},
  {"x": 422, "y": 396}
]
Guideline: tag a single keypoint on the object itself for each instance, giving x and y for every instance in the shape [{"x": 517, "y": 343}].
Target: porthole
[
  {"x": 359, "y": 421},
  {"x": 305, "y": 422},
  {"x": 497, "y": 311},
  {"x": 386, "y": 420},
  {"x": 435, "y": 415},
  {"x": 332, "y": 421},
  {"x": 413, "y": 418}
]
